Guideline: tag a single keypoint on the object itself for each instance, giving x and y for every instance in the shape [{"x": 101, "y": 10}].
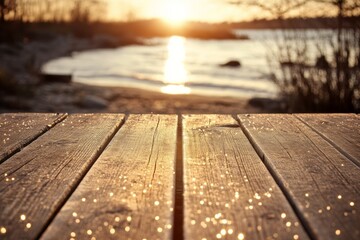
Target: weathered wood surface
[
  {"x": 35, "y": 182},
  {"x": 129, "y": 192},
  {"x": 229, "y": 193},
  {"x": 276, "y": 177},
  {"x": 340, "y": 130},
  {"x": 322, "y": 184},
  {"x": 18, "y": 130}
]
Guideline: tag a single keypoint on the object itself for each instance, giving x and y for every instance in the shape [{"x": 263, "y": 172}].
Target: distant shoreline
[
  {"x": 17, "y": 31},
  {"x": 294, "y": 23}
]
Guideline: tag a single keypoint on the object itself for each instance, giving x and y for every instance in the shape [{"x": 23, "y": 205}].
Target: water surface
[{"x": 177, "y": 65}]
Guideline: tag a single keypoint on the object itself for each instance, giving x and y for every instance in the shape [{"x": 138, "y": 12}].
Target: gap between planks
[
  {"x": 332, "y": 143},
  {"x": 178, "y": 230},
  {"x": 223, "y": 175},
  {"x": 21, "y": 145},
  {"x": 101, "y": 150},
  {"x": 314, "y": 174},
  {"x": 127, "y": 215},
  {"x": 45, "y": 177},
  {"x": 278, "y": 181}
]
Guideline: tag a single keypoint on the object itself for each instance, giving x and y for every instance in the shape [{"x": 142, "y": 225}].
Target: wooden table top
[{"x": 116, "y": 176}]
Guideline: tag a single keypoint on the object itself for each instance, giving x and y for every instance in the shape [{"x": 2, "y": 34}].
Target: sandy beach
[{"x": 76, "y": 97}]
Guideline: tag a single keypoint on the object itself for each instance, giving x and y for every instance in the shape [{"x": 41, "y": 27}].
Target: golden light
[
  {"x": 175, "y": 74},
  {"x": 175, "y": 12}
]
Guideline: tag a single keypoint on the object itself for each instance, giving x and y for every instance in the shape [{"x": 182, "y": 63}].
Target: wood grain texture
[
  {"x": 323, "y": 184},
  {"x": 19, "y": 129},
  {"x": 229, "y": 193},
  {"x": 35, "y": 182},
  {"x": 129, "y": 192},
  {"x": 340, "y": 130}
]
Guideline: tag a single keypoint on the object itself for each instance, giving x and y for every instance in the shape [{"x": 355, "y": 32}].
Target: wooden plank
[
  {"x": 323, "y": 184},
  {"x": 129, "y": 192},
  {"x": 340, "y": 130},
  {"x": 18, "y": 130},
  {"x": 35, "y": 182},
  {"x": 229, "y": 193}
]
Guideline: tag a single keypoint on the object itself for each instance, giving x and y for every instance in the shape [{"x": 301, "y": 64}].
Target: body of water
[{"x": 177, "y": 65}]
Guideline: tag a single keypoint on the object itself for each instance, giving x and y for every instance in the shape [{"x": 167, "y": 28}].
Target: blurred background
[{"x": 180, "y": 56}]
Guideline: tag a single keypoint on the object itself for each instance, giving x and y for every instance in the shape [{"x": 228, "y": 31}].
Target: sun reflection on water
[{"x": 175, "y": 74}]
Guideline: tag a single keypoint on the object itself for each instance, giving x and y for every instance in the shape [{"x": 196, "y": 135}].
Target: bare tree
[
  {"x": 6, "y": 7},
  {"x": 51, "y": 10},
  {"x": 277, "y": 8},
  {"x": 2, "y": 10},
  {"x": 344, "y": 8},
  {"x": 131, "y": 15},
  {"x": 88, "y": 10}
]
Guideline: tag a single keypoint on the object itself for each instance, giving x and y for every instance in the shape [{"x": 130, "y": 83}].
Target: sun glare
[
  {"x": 175, "y": 74},
  {"x": 175, "y": 12}
]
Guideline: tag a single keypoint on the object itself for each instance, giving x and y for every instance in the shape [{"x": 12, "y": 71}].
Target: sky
[
  {"x": 176, "y": 10},
  {"x": 204, "y": 10}
]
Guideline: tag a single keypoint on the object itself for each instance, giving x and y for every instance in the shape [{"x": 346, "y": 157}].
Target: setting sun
[{"x": 175, "y": 12}]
